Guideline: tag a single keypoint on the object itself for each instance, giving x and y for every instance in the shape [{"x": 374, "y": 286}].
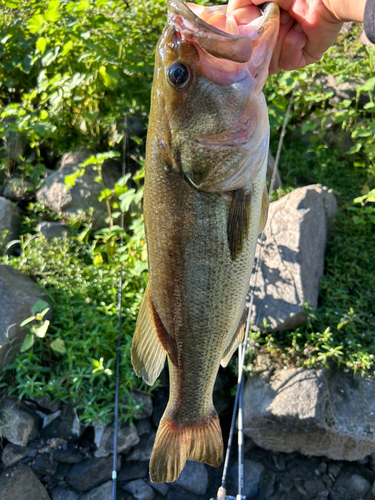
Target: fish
[{"x": 205, "y": 202}]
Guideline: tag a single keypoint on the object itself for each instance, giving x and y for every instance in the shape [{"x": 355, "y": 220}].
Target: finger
[
  {"x": 286, "y": 24},
  {"x": 237, "y": 4},
  {"x": 292, "y": 54},
  {"x": 283, "y": 4}
]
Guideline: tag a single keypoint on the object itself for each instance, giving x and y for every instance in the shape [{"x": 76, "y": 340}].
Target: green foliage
[
  {"x": 75, "y": 359},
  {"x": 70, "y": 70},
  {"x": 331, "y": 141}
]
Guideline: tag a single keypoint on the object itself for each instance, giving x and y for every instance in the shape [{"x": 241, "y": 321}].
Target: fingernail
[{"x": 298, "y": 28}]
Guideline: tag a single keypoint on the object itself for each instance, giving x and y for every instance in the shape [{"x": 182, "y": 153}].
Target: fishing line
[
  {"x": 119, "y": 305},
  {"x": 238, "y": 402}
]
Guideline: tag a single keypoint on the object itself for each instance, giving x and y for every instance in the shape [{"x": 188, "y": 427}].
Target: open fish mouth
[{"x": 222, "y": 32}]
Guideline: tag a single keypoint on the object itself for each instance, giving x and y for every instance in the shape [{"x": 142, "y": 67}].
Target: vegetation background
[{"x": 69, "y": 72}]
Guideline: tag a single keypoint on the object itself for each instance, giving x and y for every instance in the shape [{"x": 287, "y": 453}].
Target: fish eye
[{"x": 179, "y": 75}]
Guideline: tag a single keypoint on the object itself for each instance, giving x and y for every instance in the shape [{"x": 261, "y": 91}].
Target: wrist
[{"x": 346, "y": 10}]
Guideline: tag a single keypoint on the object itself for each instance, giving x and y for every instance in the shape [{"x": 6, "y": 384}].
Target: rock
[
  {"x": 61, "y": 493},
  {"x": 316, "y": 412},
  {"x": 133, "y": 470},
  {"x": 193, "y": 478},
  {"x": 293, "y": 257},
  {"x": 66, "y": 426},
  {"x": 53, "y": 230},
  {"x": 140, "y": 490},
  {"x": 102, "y": 492},
  {"x": 18, "y": 189},
  {"x": 144, "y": 402},
  {"x": 143, "y": 426},
  {"x": 9, "y": 220},
  {"x": 46, "y": 404},
  {"x": 18, "y": 294},
  {"x": 72, "y": 455},
  {"x": 13, "y": 454},
  {"x": 127, "y": 437},
  {"x": 353, "y": 484},
  {"x": 252, "y": 473},
  {"x": 43, "y": 466},
  {"x": 162, "y": 488},
  {"x": 21, "y": 483},
  {"x": 84, "y": 194},
  {"x": 19, "y": 423},
  {"x": 90, "y": 473},
  {"x": 363, "y": 40},
  {"x": 175, "y": 494},
  {"x": 143, "y": 449}
]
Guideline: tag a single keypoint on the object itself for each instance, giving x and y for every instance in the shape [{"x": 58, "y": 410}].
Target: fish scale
[{"x": 205, "y": 203}]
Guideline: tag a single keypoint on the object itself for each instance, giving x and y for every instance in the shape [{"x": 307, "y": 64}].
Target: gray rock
[
  {"x": 316, "y": 412},
  {"x": 18, "y": 189},
  {"x": 193, "y": 478},
  {"x": 43, "y": 466},
  {"x": 13, "y": 454},
  {"x": 140, "y": 490},
  {"x": 143, "y": 426},
  {"x": 162, "y": 488},
  {"x": 127, "y": 437},
  {"x": 102, "y": 492},
  {"x": 19, "y": 423},
  {"x": 353, "y": 484},
  {"x": 9, "y": 220},
  {"x": 18, "y": 294},
  {"x": 61, "y": 493},
  {"x": 46, "y": 404},
  {"x": 53, "y": 230},
  {"x": 90, "y": 473},
  {"x": 252, "y": 473},
  {"x": 133, "y": 470},
  {"x": 20, "y": 483},
  {"x": 84, "y": 194},
  {"x": 68, "y": 456},
  {"x": 65, "y": 426},
  {"x": 143, "y": 450},
  {"x": 144, "y": 402},
  {"x": 175, "y": 494},
  {"x": 293, "y": 257}
]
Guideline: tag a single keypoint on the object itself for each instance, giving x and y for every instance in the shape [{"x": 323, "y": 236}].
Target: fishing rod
[
  {"x": 238, "y": 402},
  {"x": 119, "y": 305}
]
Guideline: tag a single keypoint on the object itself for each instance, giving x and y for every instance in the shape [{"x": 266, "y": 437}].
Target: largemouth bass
[{"x": 205, "y": 203}]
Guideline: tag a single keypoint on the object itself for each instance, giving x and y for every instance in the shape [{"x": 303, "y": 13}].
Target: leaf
[
  {"x": 36, "y": 23},
  {"x": 110, "y": 80},
  {"x": 368, "y": 86},
  {"x": 98, "y": 260},
  {"x": 123, "y": 180},
  {"x": 41, "y": 44},
  {"x": 39, "y": 306},
  {"x": 52, "y": 13},
  {"x": 354, "y": 149},
  {"x": 41, "y": 330},
  {"x": 67, "y": 48},
  {"x": 58, "y": 345},
  {"x": 28, "y": 342},
  {"x": 105, "y": 194},
  {"x": 27, "y": 321}
]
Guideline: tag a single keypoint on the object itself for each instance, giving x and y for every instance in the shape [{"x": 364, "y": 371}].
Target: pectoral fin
[
  {"x": 236, "y": 340},
  {"x": 147, "y": 352},
  {"x": 264, "y": 210},
  {"x": 238, "y": 221}
]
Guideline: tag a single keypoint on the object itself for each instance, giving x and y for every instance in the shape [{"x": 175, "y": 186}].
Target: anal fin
[
  {"x": 147, "y": 351},
  {"x": 236, "y": 340},
  {"x": 264, "y": 210},
  {"x": 238, "y": 221}
]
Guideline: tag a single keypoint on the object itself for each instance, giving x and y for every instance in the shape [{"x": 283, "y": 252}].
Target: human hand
[{"x": 308, "y": 28}]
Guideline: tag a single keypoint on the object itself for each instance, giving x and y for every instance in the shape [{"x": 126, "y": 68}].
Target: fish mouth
[{"x": 221, "y": 33}]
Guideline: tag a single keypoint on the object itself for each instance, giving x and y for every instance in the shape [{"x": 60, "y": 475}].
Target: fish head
[{"x": 209, "y": 73}]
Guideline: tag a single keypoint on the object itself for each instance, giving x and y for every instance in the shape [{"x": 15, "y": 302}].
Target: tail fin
[{"x": 175, "y": 444}]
